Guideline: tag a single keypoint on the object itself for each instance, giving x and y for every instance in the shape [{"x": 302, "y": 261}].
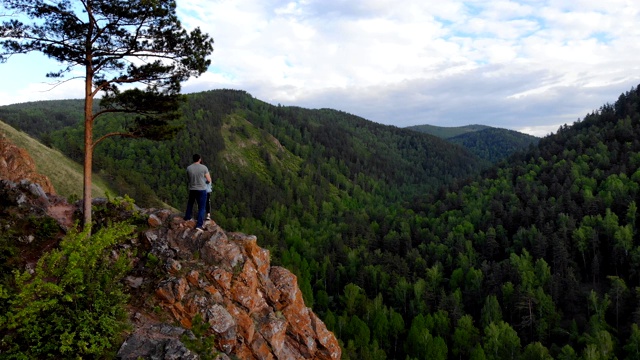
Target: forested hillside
[
  {"x": 536, "y": 259},
  {"x": 267, "y": 145},
  {"x": 540, "y": 257},
  {"x": 446, "y": 132},
  {"x": 488, "y": 143},
  {"x": 307, "y": 182},
  {"x": 494, "y": 144},
  {"x": 39, "y": 118}
]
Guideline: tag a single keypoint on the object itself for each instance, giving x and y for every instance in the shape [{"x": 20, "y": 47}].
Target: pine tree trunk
[
  {"x": 88, "y": 156},
  {"x": 88, "y": 138}
]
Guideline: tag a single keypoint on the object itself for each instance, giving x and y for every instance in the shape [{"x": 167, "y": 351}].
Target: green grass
[
  {"x": 65, "y": 174},
  {"x": 245, "y": 144}
]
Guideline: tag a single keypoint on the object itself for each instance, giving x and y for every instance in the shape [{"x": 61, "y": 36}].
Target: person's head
[{"x": 196, "y": 157}]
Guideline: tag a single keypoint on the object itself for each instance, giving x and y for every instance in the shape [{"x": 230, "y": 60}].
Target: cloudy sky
[{"x": 527, "y": 65}]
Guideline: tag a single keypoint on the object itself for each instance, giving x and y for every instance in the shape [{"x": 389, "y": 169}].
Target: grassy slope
[
  {"x": 244, "y": 149},
  {"x": 65, "y": 174}
]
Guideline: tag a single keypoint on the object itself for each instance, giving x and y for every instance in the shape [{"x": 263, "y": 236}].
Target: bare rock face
[
  {"x": 159, "y": 342},
  {"x": 16, "y": 165},
  {"x": 254, "y": 310}
]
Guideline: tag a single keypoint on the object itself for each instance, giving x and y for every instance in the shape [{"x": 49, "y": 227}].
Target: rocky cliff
[
  {"x": 183, "y": 279},
  {"x": 254, "y": 310},
  {"x": 16, "y": 165}
]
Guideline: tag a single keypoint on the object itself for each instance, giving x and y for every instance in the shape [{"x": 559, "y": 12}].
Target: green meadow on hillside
[{"x": 65, "y": 174}]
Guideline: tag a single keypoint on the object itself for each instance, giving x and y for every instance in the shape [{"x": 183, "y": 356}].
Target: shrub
[
  {"x": 73, "y": 306},
  {"x": 44, "y": 227},
  {"x": 8, "y": 252},
  {"x": 121, "y": 209},
  {"x": 202, "y": 342}
]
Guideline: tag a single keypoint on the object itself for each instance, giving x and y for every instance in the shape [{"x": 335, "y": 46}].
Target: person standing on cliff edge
[{"x": 197, "y": 177}]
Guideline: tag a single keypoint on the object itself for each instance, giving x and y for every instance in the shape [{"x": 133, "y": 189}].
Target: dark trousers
[{"x": 199, "y": 196}]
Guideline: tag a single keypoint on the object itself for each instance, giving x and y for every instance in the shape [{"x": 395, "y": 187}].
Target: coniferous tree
[{"x": 115, "y": 44}]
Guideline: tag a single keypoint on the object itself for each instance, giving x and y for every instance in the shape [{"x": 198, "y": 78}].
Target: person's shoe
[{"x": 199, "y": 229}]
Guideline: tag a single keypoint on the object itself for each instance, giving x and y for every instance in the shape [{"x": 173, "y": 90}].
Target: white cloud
[
  {"x": 539, "y": 131},
  {"x": 527, "y": 64}
]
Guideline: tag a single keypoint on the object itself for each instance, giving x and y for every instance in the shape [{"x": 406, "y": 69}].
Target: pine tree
[{"x": 117, "y": 44}]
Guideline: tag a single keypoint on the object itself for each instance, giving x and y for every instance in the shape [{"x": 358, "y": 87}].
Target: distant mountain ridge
[
  {"x": 488, "y": 143},
  {"x": 233, "y": 130},
  {"x": 494, "y": 144},
  {"x": 446, "y": 132},
  {"x": 38, "y": 118}
]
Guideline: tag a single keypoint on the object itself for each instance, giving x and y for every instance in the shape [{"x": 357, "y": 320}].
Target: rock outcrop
[
  {"x": 184, "y": 278},
  {"x": 254, "y": 310},
  {"x": 16, "y": 165}
]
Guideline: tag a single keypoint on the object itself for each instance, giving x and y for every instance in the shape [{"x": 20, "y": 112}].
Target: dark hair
[{"x": 196, "y": 157}]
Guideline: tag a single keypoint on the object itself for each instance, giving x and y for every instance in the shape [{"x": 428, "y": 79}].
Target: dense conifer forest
[
  {"x": 494, "y": 144},
  {"x": 408, "y": 246},
  {"x": 447, "y": 132},
  {"x": 488, "y": 143}
]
